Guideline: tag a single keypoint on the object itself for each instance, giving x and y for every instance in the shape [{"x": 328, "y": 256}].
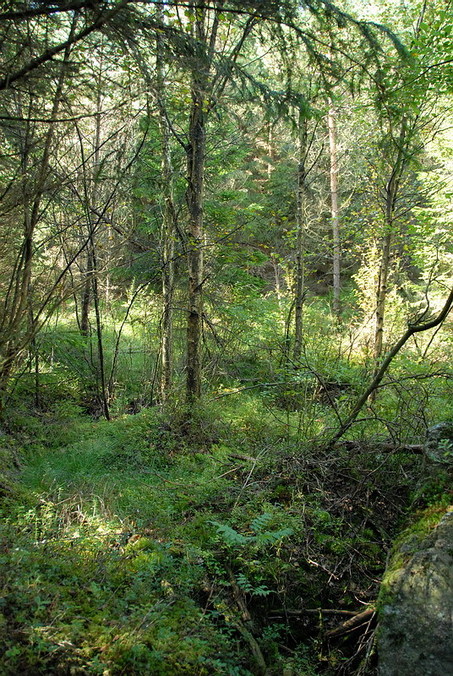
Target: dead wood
[
  {"x": 380, "y": 447},
  {"x": 355, "y": 622}
]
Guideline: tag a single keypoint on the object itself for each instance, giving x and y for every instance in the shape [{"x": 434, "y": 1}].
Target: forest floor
[{"x": 141, "y": 547}]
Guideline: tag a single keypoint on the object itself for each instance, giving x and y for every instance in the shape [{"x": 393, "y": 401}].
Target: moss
[{"x": 405, "y": 546}]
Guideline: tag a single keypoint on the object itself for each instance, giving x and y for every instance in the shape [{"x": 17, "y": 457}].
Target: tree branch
[
  {"x": 53, "y": 51},
  {"x": 411, "y": 330}
]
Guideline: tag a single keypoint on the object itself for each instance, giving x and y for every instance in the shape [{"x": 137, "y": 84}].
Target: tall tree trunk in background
[
  {"x": 269, "y": 149},
  {"x": 195, "y": 176},
  {"x": 93, "y": 203},
  {"x": 91, "y": 199},
  {"x": 86, "y": 294},
  {"x": 168, "y": 231},
  {"x": 331, "y": 121},
  {"x": 90, "y": 291},
  {"x": 381, "y": 296},
  {"x": 391, "y": 194},
  {"x": 207, "y": 87},
  {"x": 299, "y": 286},
  {"x": 201, "y": 89},
  {"x": 100, "y": 343}
]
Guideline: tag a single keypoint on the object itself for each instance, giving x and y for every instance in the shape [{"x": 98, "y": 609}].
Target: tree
[
  {"x": 21, "y": 313},
  {"x": 333, "y": 154},
  {"x": 168, "y": 229},
  {"x": 412, "y": 329},
  {"x": 208, "y": 74}
]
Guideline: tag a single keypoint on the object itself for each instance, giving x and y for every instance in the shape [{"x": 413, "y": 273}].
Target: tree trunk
[
  {"x": 381, "y": 295},
  {"x": 194, "y": 196},
  {"x": 92, "y": 205},
  {"x": 86, "y": 294},
  {"x": 168, "y": 232},
  {"x": 91, "y": 284},
  {"x": 331, "y": 121},
  {"x": 97, "y": 311},
  {"x": 269, "y": 150},
  {"x": 299, "y": 286},
  {"x": 203, "y": 84},
  {"x": 17, "y": 301},
  {"x": 391, "y": 194}
]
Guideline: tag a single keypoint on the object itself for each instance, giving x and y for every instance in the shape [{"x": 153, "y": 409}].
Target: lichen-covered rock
[
  {"x": 439, "y": 443},
  {"x": 415, "y": 636}
]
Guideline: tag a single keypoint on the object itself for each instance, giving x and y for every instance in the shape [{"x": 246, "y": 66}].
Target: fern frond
[
  {"x": 229, "y": 535},
  {"x": 259, "y": 523}
]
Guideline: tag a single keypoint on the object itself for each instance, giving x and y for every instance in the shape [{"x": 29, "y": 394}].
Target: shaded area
[{"x": 416, "y": 611}]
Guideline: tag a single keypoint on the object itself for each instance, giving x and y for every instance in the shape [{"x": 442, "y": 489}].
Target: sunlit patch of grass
[{"x": 90, "y": 590}]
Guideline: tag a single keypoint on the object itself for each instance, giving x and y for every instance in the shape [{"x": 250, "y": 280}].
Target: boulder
[
  {"x": 415, "y": 610},
  {"x": 439, "y": 443}
]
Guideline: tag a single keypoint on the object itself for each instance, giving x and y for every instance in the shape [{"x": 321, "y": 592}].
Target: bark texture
[{"x": 334, "y": 207}]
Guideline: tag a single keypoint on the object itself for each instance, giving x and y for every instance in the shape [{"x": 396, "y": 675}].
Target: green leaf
[{"x": 229, "y": 535}]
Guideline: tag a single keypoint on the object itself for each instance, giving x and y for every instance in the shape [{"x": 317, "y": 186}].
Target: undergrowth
[{"x": 135, "y": 547}]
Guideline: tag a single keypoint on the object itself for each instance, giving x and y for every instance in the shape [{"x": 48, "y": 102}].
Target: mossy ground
[{"x": 132, "y": 547}]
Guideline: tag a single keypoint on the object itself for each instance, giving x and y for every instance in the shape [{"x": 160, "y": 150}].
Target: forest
[{"x": 225, "y": 289}]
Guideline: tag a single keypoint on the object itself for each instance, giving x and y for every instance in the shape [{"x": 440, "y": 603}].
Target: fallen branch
[
  {"x": 382, "y": 447},
  {"x": 353, "y": 623},
  {"x": 254, "y": 647},
  {"x": 242, "y": 456},
  {"x": 289, "y": 612},
  {"x": 245, "y": 626}
]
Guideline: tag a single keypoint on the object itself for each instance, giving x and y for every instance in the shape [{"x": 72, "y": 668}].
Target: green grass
[
  {"x": 130, "y": 550},
  {"x": 116, "y": 551},
  {"x": 155, "y": 545}
]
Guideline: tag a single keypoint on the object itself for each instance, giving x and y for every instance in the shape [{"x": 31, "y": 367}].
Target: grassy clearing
[
  {"x": 150, "y": 546},
  {"x": 131, "y": 548}
]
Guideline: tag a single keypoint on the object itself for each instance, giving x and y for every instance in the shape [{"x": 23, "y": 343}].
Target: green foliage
[
  {"x": 191, "y": 539},
  {"x": 133, "y": 546},
  {"x": 261, "y": 537}
]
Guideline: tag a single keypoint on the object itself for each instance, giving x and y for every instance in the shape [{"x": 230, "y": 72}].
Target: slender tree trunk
[
  {"x": 90, "y": 293},
  {"x": 92, "y": 204},
  {"x": 168, "y": 232},
  {"x": 381, "y": 295},
  {"x": 91, "y": 198},
  {"x": 86, "y": 294},
  {"x": 195, "y": 151},
  {"x": 391, "y": 193},
  {"x": 168, "y": 248},
  {"x": 100, "y": 343},
  {"x": 269, "y": 149},
  {"x": 384, "y": 265},
  {"x": 299, "y": 286},
  {"x": 195, "y": 171},
  {"x": 331, "y": 121},
  {"x": 277, "y": 280},
  {"x": 203, "y": 85}
]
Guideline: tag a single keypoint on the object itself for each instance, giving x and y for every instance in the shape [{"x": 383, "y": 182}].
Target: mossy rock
[
  {"x": 415, "y": 636},
  {"x": 439, "y": 443}
]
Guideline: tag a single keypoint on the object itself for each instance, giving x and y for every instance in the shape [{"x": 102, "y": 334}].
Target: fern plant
[
  {"x": 261, "y": 536},
  {"x": 243, "y": 551}
]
